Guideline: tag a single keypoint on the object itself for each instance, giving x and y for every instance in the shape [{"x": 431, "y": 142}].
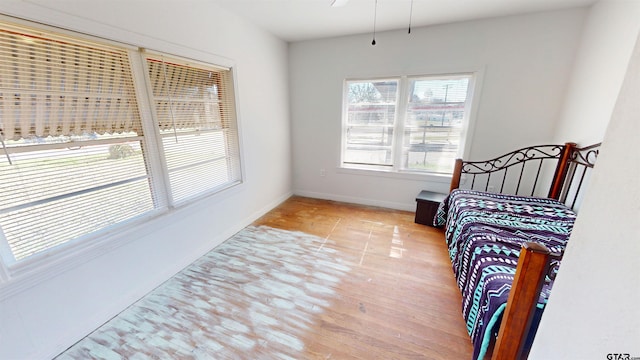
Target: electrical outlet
[{"x": 323, "y": 172}]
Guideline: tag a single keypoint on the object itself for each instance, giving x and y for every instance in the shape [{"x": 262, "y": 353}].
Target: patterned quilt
[{"x": 484, "y": 234}]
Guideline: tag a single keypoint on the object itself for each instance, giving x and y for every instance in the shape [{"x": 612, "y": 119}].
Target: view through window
[{"x": 411, "y": 124}]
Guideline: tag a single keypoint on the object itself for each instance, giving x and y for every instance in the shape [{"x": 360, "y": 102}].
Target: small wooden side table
[{"x": 427, "y": 206}]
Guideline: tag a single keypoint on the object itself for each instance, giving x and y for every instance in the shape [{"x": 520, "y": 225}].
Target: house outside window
[{"x": 414, "y": 124}]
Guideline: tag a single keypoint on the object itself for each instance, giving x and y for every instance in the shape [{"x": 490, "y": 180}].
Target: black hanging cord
[
  {"x": 410, "y": 15},
  {"x": 375, "y": 14}
]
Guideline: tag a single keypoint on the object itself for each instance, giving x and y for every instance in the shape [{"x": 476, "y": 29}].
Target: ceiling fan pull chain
[{"x": 375, "y": 15}]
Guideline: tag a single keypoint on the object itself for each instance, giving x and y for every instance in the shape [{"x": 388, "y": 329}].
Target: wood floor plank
[{"x": 311, "y": 279}]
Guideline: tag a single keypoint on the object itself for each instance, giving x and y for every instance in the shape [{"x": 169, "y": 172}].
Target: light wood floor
[
  {"x": 342, "y": 282},
  {"x": 402, "y": 276}
]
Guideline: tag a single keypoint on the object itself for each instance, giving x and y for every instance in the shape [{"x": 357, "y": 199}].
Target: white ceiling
[{"x": 294, "y": 20}]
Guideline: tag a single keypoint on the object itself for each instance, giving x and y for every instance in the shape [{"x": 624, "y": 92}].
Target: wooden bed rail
[
  {"x": 560, "y": 175},
  {"x": 572, "y": 169},
  {"x": 533, "y": 265},
  {"x": 457, "y": 174}
]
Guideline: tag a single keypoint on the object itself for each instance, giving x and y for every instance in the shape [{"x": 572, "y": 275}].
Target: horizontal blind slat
[
  {"x": 36, "y": 66},
  {"x": 69, "y": 116},
  {"x": 194, "y": 105},
  {"x": 44, "y": 226}
]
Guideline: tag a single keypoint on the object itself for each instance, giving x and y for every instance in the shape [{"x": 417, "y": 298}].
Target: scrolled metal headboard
[
  {"x": 532, "y": 165},
  {"x": 504, "y": 163}
]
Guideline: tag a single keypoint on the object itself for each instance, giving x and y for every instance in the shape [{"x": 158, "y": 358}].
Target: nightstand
[{"x": 427, "y": 206}]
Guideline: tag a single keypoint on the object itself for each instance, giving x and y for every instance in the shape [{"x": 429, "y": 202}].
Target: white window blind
[
  {"x": 71, "y": 161},
  {"x": 74, "y": 159},
  {"x": 195, "y": 110},
  {"x": 406, "y": 124},
  {"x": 57, "y": 86}
]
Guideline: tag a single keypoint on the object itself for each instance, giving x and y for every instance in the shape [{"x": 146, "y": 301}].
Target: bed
[{"x": 506, "y": 245}]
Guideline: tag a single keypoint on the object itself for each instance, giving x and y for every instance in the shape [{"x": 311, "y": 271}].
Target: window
[
  {"x": 78, "y": 158},
  {"x": 196, "y": 121},
  {"x": 406, "y": 124},
  {"x": 371, "y": 119}
]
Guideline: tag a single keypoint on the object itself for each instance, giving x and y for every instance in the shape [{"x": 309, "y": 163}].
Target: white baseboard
[{"x": 357, "y": 200}]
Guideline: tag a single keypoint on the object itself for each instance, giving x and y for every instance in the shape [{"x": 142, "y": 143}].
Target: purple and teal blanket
[{"x": 484, "y": 234}]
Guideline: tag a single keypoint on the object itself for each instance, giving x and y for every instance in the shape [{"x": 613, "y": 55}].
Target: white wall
[
  {"x": 525, "y": 62},
  {"x": 594, "y": 308},
  {"x": 607, "y": 41},
  {"x": 44, "y": 312}
]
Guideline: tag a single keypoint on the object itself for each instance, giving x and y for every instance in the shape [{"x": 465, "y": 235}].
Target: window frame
[
  {"x": 346, "y": 125},
  {"x": 395, "y": 170},
  {"x": 77, "y": 250},
  {"x": 158, "y": 136}
]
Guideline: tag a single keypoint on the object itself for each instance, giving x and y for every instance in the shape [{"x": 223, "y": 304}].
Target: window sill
[
  {"x": 400, "y": 175},
  {"x": 37, "y": 268},
  {"x": 33, "y": 270}
]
